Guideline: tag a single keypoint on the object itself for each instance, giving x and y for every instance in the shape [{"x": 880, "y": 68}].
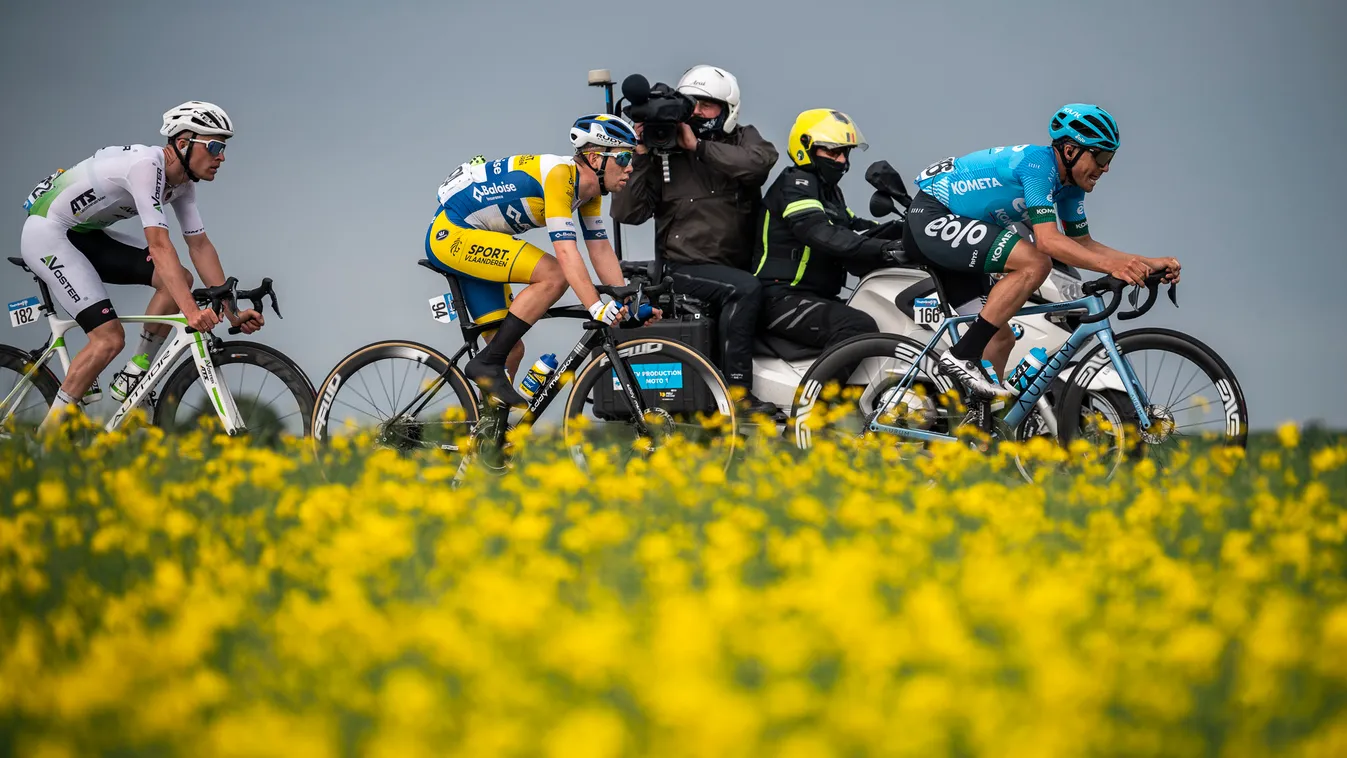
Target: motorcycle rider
[{"x": 811, "y": 240}]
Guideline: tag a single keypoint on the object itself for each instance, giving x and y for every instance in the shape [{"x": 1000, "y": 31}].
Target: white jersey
[{"x": 116, "y": 183}]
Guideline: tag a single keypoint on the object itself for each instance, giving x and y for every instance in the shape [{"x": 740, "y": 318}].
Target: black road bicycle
[{"x": 412, "y": 396}]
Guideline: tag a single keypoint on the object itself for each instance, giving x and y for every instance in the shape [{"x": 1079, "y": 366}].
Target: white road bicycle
[{"x": 274, "y": 395}]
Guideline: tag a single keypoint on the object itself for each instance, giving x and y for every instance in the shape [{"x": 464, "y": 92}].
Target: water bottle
[
  {"x": 125, "y": 381},
  {"x": 1028, "y": 368},
  {"x": 93, "y": 394},
  {"x": 538, "y": 374}
]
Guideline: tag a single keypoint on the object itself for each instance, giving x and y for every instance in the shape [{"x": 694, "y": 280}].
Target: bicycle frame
[
  {"x": 1024, "y": 403},
  {"x": 558, "y": 379},
  {"x": 182, "y": 340}
]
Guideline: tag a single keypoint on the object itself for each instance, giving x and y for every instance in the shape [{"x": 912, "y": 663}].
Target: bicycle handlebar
[
  {"x": 1107, "y": 284},
  {"x": 637, "y": 287},
  {"x": 639, "y": 274},
  {"x": 215, "y": 297}
]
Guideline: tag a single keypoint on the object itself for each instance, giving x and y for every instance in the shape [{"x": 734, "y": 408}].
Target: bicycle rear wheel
[
  {"x": 590, "y": 432},
  {"x": 30, "y": 406},
  {"x": 1193, "y": 398},
  {"x": 841, "y": 392},
  {"x": 372, "y": 390},
  {"x": 273, "y": 395}
]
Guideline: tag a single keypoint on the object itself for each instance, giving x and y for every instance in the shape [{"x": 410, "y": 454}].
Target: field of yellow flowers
[{"x": 196, "y": 596}]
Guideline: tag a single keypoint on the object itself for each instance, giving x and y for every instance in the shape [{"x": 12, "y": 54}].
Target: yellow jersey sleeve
[
  {"x": 559, "y": 201},
  {"x": 591, "y": 219}
]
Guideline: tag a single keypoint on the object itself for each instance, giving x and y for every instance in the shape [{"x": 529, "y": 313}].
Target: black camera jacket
[{"x": 707, "y": 213}]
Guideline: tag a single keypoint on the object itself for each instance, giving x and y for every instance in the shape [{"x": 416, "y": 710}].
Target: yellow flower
[{"x": 1289, "y": 434}]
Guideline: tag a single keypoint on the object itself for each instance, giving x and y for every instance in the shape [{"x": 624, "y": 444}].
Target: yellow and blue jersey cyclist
[{"x": 483, "y": 204}]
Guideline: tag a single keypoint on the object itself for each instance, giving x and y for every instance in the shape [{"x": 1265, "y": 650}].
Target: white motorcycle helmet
[
  {"x": 199, "y": 117},
  {"x": 713, "y": 83}
]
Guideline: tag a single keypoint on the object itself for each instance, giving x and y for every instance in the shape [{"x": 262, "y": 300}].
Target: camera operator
[
  {"x": 704, "y": 191},
  {"x": 811, "y": 240}
]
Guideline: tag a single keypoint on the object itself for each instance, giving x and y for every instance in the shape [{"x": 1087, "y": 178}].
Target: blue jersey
[{"x": 1003, "y": 185}]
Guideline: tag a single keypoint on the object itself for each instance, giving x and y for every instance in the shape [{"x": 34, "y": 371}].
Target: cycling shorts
[
  {"x": 964, "y": 249},
  {"x": 958, "y": 244},
  {"x": 485, "y": 264},
  {"x": 75, "y": 266}
]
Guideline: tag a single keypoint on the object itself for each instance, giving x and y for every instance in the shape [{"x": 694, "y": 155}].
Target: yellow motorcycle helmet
[{"x": 822, "y": 127}]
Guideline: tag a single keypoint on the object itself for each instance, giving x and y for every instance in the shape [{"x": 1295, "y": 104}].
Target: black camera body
[{"x": 659, "y": 110}]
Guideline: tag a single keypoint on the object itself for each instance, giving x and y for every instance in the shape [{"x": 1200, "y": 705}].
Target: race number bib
[
  {"x": 442, "y": 309},
  {"x": 926, "y": 311},
  {"x": 42, "y": 188},
  {"x": 936, "y": 169},
  {"x": 23, "y": 312},
  {"x": 464, "y": 176}
]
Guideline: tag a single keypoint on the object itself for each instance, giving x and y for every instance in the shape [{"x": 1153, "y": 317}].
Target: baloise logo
[
  {"x": 496, "y": 189},
  {"x": 55, "y": 269}
]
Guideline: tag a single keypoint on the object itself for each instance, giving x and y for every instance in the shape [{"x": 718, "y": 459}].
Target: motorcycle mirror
[
  {"x": 881, "y": 205},
  {"x": 886, "y": 179}
]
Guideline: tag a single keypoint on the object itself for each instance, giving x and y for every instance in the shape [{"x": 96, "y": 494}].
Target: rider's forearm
[
  {"x": 173, "y": 275},
  {"x": 1062, "y": 248},
  {"x": 606, "y": 265},
  {"x": 1095, "y": 246},
  {"x": 206, "y": 260},
  {"x": 573, "y": 266}
]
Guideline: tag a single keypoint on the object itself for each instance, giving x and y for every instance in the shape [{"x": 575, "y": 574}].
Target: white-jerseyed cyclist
[{"x": 66, "y": 241}]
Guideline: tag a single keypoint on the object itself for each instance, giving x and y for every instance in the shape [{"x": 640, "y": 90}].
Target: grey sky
[{"x": 350, "y": 114}]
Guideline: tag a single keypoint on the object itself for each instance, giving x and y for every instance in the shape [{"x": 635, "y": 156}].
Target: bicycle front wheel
[
  {"x": 273, "y": 395},
  {"x": 406, "y": 394},
  {"x": 1191, "y": 395},
  {"x": 687, "y": 404},
  {"x": 29, "y": 404}
]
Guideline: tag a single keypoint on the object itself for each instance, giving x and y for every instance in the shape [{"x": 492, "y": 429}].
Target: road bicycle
[
  {"x": 277, "y": 397},
  {"x": 1154, "y": 406},
  {"x": 411, "y": 396}
]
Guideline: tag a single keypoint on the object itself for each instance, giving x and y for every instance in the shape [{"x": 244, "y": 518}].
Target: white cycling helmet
[
  {"x": 197, "y": 116},
  {"x": 713, "y": 83}
]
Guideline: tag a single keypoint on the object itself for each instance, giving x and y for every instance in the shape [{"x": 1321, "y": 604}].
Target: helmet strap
[
  {"x": 598, "y": 172},
  {"x": 185, "y": 159},
  {"x": 1069, "y": 163}
]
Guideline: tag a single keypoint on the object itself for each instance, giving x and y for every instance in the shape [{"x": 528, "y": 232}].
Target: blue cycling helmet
[
  {"x": 604, "y": 130},
  {"x": 1086, "y": 125}
]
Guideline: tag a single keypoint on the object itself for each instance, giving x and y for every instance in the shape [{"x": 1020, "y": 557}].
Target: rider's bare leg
[
  {"x": 545, "y": 288},
  {"x": 998, "y": 350},
  {"x": 1026, "y": 270},
  {"x": 105, "y": 343},
  {"x": 161, "y": 304}
]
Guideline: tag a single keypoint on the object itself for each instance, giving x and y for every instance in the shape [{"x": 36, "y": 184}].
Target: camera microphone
[{"x": 636, "y": 89}]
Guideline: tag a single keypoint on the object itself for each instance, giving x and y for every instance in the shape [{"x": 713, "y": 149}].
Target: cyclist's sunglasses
[
  {"x": 213, "y": 146},
  {"x": 1101, "y": 157},
  {"x": 622, "y": 158}
]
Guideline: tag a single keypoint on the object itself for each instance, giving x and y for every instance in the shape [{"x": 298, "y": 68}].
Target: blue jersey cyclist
[{"x": 959, "y": 222}]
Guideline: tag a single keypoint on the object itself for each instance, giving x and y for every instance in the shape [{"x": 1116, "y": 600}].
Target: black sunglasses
[
  {"x": 1101, "y": 157},
  {"x": 214, "y": 146}
]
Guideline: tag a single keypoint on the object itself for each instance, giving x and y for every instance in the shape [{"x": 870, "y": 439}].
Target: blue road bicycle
[{"x": 1140, "y": 393}]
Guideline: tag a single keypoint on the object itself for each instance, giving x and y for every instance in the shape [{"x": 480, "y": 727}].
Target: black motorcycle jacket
[{"x": 809, "y": 237}]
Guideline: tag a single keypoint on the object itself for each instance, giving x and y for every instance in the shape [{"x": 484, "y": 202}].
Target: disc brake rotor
[{"x": 1162, "y": 425}]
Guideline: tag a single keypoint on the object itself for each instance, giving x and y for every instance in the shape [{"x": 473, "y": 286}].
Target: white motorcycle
[{"x": 904, "y": 303}]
